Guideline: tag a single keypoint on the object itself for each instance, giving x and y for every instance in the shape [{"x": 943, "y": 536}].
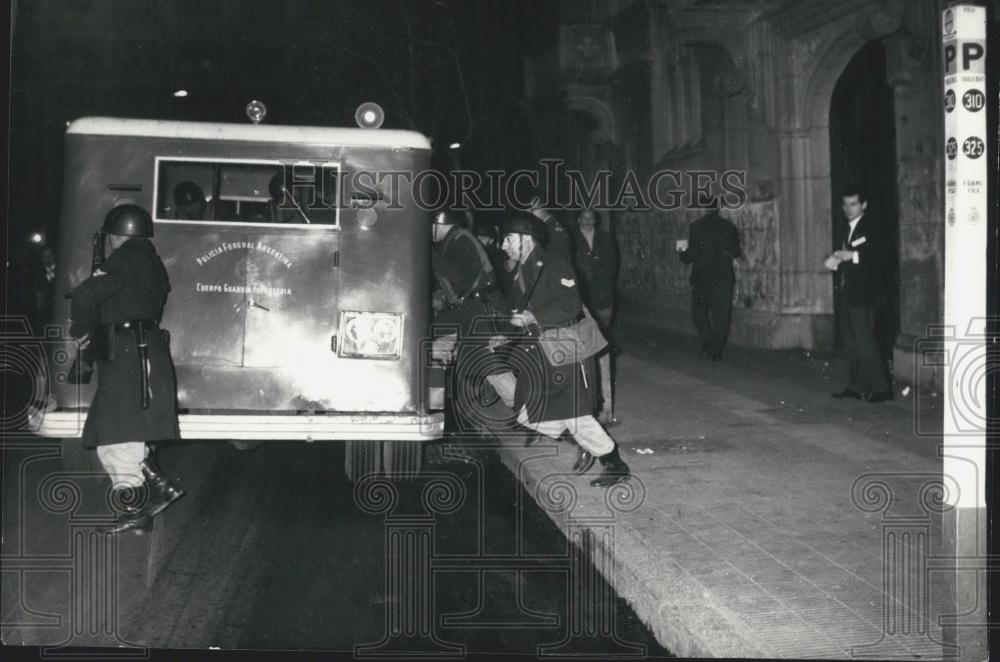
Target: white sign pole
[{"x": 965, "y": 370}]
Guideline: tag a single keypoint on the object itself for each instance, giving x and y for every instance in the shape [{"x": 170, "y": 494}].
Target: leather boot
[
  {"x": 162, "y": 492},
  {"x": 613, "y": 470},
  {"x": 132, "y": 507},
  {"x": 584, "y": 461}
]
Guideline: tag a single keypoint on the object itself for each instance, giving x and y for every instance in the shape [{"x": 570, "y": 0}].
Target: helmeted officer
[
  {"x": 545, "y": 294},
  {"x": 556, "y": 237},
  {"x": 119, "y": 309},
  {"x": 486, "y": 232},
  {"x": 468, "y": 301},
  {"x": 189, "y": 201},
  {"x": 287, "y": 206}
]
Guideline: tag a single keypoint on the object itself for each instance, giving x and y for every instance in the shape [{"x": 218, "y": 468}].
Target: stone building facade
[{"x": 644, "y": 86}]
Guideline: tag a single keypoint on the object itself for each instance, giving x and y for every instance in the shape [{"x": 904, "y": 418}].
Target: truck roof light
[
  {"x": 369, "y": 115},
  {"x": 256, "y": 111}
]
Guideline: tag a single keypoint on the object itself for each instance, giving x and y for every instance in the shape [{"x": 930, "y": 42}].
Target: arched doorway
[{"x": 863, "y": 153}]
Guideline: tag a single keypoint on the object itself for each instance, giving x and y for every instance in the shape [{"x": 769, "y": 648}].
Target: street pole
[{"x": 965, "y": 375}]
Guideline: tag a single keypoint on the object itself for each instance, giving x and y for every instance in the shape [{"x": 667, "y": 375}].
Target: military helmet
[
  {"x": 128, "y": 221},
  {"x": 187, "y": 193},
  {"x": 275, "y": 187},
  {"x": 483, "y": 227},
  {"x": 446, "y": 217},
  {"x": 521, "y": 222}
]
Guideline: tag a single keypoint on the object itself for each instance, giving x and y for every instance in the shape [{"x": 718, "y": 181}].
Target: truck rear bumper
[{"x": 303, "y": 427}]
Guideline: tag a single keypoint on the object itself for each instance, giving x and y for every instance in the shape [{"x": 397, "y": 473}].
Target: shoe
[
  {"x": 613, "y": 470},
  {"x": 138, "y": 524},
  {"x": 882, "y": 396},
  {"x": 132, "y": 506},
  {"x": 162, "y": 492},
  {"x": 584, "y": 461},
  {"x": 848, "y": 393}
]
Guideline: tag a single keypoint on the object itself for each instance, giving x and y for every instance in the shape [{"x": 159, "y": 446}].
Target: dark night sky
[{"x": 434, "y": 65}]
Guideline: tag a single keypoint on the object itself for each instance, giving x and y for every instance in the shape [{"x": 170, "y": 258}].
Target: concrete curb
[{"x": 681, "y": 615}]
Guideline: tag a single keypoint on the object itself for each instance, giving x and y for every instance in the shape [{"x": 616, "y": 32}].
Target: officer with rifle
[
  {"x": 466, "y": 302},
  {"x": 116, "y": 312}
]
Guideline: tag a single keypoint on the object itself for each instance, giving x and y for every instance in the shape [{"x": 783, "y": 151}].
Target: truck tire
[
  {"x": 402, "y": 460},
  {"x": 362, "y": 458},
  {"x": 245, "y": 444}
]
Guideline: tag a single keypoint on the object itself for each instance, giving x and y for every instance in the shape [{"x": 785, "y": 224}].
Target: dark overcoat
[
  {"x": 549, "y": 392},
  {"x": 596, "y": 265},
  {"x": 134, "y": 287},
  {"x": 713, "y": 244}
]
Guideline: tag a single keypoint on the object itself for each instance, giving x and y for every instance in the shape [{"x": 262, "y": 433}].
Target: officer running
[
  {"x": 551, "y": 399},
  {"x": 119, "y": 309}
]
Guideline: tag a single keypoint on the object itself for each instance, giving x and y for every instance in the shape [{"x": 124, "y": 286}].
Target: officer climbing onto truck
[{"x": 118, "y": 310}]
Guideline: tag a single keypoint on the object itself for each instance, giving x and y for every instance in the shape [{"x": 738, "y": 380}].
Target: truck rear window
[{"x": 239, "y": 191}]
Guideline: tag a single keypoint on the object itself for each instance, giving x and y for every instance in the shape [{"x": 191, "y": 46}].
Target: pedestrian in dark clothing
[
  {"x": 119, "y": 309},
  {"x": 553, "y": 399},
  {"x": 596, "y": 261},
  {"x": 712, "y": 245},
  {"x": 861, "y": 291}
]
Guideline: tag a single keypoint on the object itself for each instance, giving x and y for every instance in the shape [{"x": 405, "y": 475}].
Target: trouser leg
[
  {"x": 551, "y": 429},
  {"x": 607, "y": 387},
  {"x": 721, "y": 309},
  {"x": 868, "y": 358},
  {"x": 123, "y": 463},
  {"x": 504, "y": 383},
  {"x": 848, "y": 342},
  {"x": 587, "y": 432},
  {"x": 591, "y": 437},
  {"x": 699, "y": 312}
]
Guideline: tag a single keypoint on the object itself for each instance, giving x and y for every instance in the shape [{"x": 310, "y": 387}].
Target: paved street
[{"x": 274, "y": 549}]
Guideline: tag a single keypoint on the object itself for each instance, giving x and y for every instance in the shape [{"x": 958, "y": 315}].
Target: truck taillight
[{"x": 370, "y": 335}]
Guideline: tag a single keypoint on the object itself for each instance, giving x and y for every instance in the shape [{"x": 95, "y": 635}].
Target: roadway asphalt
[{"x": 274, "y": 549}]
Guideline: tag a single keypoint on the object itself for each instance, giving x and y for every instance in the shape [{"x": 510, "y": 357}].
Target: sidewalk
[{"x": 754, "y": 523}]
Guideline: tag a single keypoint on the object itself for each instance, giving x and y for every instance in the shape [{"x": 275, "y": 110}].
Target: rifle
[{"x": 83, "y": 365}]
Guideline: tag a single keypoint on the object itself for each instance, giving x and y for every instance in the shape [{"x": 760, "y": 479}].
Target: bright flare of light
[
  {"x": 180, "y": 93},
  {"x": 454, "y": 145},
  {"x": 36, "y": 238}
]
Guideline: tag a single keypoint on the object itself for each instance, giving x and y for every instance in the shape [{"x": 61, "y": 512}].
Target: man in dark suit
[
  {"x": 860, "y": 290},
  {"x": 713, "y": 243},
  {"x": 596, "y": 263}
]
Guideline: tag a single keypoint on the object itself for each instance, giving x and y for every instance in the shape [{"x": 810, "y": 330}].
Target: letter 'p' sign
[{"x": 971, "y": 57}]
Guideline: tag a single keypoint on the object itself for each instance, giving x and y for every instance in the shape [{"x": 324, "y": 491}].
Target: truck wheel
[
  {"x": 245, "y": 444},
  {"x": 77, "y": 459},
  {"x": 402, "y": 460},
  {"x": 362, "y": 458}
]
